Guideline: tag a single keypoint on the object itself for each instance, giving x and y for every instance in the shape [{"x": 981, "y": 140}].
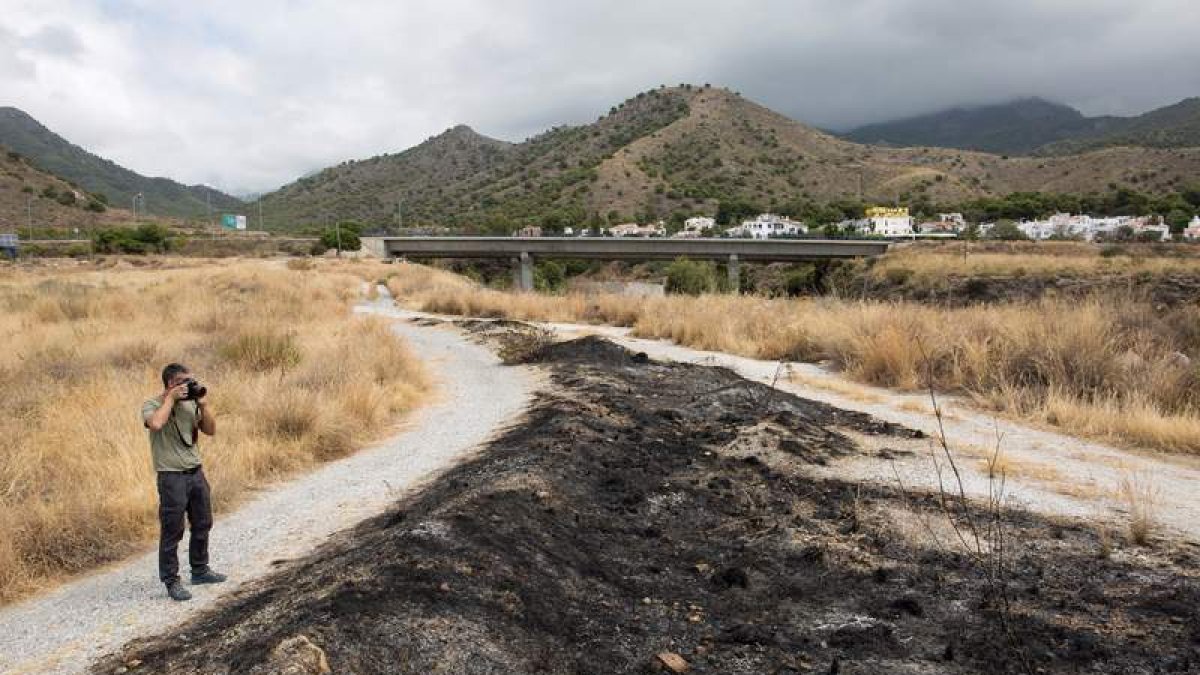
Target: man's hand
[
  {"x": 208, "y": 422},
  {"x": 169, "y": 396}
]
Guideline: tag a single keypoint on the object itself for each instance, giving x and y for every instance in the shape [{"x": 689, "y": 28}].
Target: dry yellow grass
[
  {"x": 295, "y": 380},
  {"x": 1043, "y": 259},
  {"x": 1105, "y": 367}
]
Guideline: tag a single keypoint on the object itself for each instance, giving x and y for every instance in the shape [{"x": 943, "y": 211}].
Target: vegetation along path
[{"x": 64, "y": 630}]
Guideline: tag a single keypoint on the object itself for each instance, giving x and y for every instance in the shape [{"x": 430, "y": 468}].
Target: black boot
[
  {"x": 206, "y": 576},
  {"x": 177, "y": 592}
]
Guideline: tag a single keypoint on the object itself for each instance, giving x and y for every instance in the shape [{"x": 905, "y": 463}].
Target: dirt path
[
  {"x": 62, "y": 631},
  {"x": 1047, "y": 472}
]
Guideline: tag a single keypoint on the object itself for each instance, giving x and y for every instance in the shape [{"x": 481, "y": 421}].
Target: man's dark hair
[{"x": 171, "y": 371}]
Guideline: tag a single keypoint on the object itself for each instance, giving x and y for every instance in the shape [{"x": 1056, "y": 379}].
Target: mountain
[
  {"x": 1175, "y": 126},
  {"x": 30, "y": 195},
  {"x": 682, "y": 150},
  {"x": 1016, "y": 127},
  {"x": 1036, "y": 126},
  {"x": 25, "y": 135}
]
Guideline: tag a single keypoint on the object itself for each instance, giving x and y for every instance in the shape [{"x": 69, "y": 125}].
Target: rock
[
  {"x": 298, "y": 656},
  {"x": 1179, "y": 360},
  {"x": 672, "y": 662},
  {"x": 444, "y": 587}
]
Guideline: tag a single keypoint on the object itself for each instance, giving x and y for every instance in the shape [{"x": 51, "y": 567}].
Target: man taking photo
[{"x": 175, "y": 419}]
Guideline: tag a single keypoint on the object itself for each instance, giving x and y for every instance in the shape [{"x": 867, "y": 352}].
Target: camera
[{"x": 195, "y": 390}]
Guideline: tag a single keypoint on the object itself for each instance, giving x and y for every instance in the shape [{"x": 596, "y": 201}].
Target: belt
[{"x": 187, "y": 471}]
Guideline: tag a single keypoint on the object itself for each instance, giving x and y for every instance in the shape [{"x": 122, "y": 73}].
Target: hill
[
  {"x": 1037, "y": 126},
  {"x": 1016, "y": 127},
  {"x": 28, "y": 193},
  {"x": 25, "y": 135},
  {"x": 678, "y": 151}
]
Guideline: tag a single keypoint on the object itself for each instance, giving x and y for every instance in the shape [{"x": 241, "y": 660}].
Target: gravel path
[{"x": 62, "y": 631}]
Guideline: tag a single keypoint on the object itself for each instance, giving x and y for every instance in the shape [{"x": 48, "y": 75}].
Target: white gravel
[{"x": 64, "y": 630}]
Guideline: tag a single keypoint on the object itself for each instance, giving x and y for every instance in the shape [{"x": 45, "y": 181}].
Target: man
[{"x": 175, "y": 421}]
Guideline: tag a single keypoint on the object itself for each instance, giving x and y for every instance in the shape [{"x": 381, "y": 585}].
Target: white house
[
  {"x": 1192, "y": 231},
  {"x": 695, "y": 227},
  {"x": 767, "y": 225},
  {"x": 955, "y": 220},
  {"x": 890, "y": 222},
  {"x": 634, "y": 230}
]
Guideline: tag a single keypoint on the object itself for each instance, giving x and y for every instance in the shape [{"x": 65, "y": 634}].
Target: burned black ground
[{"x": 645, "y": 507}]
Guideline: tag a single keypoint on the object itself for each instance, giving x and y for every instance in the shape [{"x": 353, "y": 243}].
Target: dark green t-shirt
[{"x": 175, "y": 446}]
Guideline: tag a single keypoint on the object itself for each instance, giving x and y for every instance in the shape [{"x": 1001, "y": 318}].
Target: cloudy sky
[{"x": 249, "y": 95}]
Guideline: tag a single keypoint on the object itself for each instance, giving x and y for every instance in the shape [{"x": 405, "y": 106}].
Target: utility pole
[
  {"x": 208, "y": 203},
  {"x": 399, "y": 215},
  {"x": 29, "y": 214},
  {"x": 337, "y": 228},
  {"x": 261, "y": 225}
]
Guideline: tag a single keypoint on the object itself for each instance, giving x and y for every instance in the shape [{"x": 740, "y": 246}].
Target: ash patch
[{"x": 646, "y": 508}]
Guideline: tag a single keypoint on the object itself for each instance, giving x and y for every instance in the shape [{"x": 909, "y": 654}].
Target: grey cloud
[
  {"x": 252, "y": 95},
  {"x": 60, "y": 41}
]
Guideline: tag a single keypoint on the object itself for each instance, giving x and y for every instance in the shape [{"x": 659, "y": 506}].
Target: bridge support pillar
[
  {"x": 735, "y": 274},
  {"x": 523, "y": 273}
]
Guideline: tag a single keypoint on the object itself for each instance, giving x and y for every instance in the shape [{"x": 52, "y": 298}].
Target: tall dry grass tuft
[
  {"x": 1111, "y": 367},
  {"x": 295, "y": 380},
  {"x": 1140, "y": 494}
]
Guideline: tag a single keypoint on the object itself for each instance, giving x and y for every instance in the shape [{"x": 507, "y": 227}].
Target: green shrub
[
  {"x": 690, "y": 277},
  {"x": 549, "y": 276},
  {"x": 136, "y": 240}
]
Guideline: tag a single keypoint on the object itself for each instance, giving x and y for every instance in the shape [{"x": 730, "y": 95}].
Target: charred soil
[{"x": 650, "y": 516}]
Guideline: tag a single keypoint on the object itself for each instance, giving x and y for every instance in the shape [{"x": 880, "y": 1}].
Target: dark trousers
[{"x": 183, "y": 494}]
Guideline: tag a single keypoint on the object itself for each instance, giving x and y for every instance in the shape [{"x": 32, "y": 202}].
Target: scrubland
[{"x": 295, "y": 380}]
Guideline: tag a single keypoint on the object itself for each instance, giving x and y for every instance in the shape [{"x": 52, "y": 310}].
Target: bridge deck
[{"x": 626, "y": 248}]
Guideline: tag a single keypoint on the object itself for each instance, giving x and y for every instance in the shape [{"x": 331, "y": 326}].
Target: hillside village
[{"x": 897, "y": 222}]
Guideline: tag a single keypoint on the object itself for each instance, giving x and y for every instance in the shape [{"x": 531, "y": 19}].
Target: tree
[
  {"x": 343, "y": 237},
  {"x": 1006, "y": 230}
]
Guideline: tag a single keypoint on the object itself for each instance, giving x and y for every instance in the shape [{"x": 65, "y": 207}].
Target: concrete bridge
[{"x": 523, "y": 251}]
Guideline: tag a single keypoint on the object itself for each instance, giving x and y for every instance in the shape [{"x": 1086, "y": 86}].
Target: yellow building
[{"x": 887, "y": 212}]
